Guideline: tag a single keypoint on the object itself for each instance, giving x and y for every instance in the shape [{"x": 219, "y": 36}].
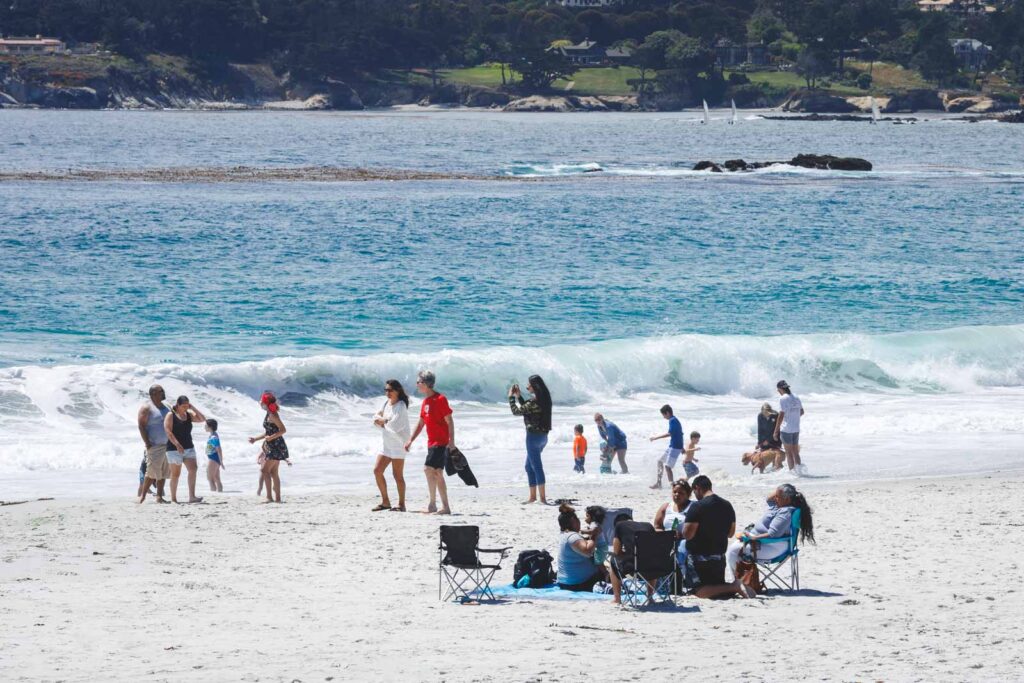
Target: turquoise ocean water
[{"x": 893, "y": 299}]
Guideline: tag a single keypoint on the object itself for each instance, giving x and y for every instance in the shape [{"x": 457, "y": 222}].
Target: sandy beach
[{"x": 911, "y": 580}]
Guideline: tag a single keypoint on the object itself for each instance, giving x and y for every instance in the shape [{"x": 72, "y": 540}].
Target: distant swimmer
[
  {"x": 614, "y": 437},
  {"x": 787, "y": 425},
  {"x": 536, "y": 413},
  {"x": 151, "y": 426},
  {"x": 393, "y": 420},
  {"x": 436, "y": 416},
  {"x": 274, "y": 447}
]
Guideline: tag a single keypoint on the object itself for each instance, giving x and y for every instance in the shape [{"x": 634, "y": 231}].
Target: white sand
[{"x": 914, "y": 580}]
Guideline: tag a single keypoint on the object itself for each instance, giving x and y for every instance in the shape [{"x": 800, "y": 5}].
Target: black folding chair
[
  {"x": 459, "y": 563},
  {"x": 654, "y": 559}
]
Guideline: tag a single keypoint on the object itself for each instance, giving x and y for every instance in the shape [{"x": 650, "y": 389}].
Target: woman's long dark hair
[
  {"x": 798, "y": 501},
  {"x": 543, "y": 397},
  {"x": 397, "y": 386},
  {"x": 566, "y": 514}
]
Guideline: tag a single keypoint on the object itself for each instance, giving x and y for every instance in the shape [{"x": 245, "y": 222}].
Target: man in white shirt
[{"x": 787, "y": 426}]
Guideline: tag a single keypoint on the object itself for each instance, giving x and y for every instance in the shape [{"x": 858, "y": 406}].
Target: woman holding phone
[{"x": 536, "y": 413}]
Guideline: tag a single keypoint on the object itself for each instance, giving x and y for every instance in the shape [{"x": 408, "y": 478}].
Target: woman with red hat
[{"x": 274, "y": 448}]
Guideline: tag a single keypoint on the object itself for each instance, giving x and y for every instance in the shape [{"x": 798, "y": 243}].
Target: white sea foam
[{"x": 878, "y": 405}]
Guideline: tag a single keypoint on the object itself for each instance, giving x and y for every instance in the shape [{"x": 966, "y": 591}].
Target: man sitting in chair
[
  {"x": 710, "y": 523},
  {"x": 776, "y": 523},
  {"x": 622, "y": 555}
]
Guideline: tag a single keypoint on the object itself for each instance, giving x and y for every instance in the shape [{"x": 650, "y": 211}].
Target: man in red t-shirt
[{"x": 436, "y": 416}]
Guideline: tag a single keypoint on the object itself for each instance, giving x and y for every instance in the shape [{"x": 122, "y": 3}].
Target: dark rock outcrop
[
  {"x": 913, "y": 100},
  {"x": 815, "y": 161},
  {"x": 817, "y": 102},
  {"x": 707, "y": 166},
  {"x": 1013, "y": 117},
  {"x": 829, "y": 162}
]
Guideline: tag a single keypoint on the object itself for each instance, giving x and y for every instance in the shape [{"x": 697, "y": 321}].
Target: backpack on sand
[{"x": 537, "y": 564}]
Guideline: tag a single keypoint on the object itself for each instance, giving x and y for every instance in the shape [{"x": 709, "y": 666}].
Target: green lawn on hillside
[{"x": 588, "y": 81}]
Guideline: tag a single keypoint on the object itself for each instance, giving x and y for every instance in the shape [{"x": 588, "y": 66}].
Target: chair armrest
[
  {"x": 494, "y": 550},
  {"x": 784, "y": 539}
]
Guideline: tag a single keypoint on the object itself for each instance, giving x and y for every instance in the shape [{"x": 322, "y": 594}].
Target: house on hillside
[
  {"x": 728, "y": 53},
  {"x": 960, "y": 7},
  {"x": 32, "y": 46},
  {"x": 970, "y": 53},
  {"x": 591, "y": 53}
]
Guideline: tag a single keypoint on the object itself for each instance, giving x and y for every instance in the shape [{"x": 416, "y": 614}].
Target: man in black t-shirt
[
  {"x": 710, "y": 523},
  {"x": 622, "y": 556}
]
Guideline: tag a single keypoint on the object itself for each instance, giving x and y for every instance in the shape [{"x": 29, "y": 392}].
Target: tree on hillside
[
  {"x": 539, "y": 67},
  {"x": 813, "y": 63},
  {"x": 933, "y": 55},
  {"x": 650, "y": 54}
]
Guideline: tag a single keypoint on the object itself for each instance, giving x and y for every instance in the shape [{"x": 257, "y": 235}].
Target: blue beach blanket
[{"x": 549, "y": 593}]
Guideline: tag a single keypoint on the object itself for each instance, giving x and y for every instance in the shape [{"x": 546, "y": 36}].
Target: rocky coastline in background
[{"x": 166, "y": 83}]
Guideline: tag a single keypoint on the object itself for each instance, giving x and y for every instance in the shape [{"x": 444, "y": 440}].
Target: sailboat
[
  {"x": 707, "y": 114},
  {"x": 732, "y": 121},
  {"x": 874, "y": 111}
]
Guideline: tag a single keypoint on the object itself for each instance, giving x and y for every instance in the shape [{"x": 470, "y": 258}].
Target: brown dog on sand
[{"x": 759, "y": 460}]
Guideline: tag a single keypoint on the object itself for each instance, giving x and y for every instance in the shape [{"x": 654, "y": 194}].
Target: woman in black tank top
[{"x": 178, "y": 425}]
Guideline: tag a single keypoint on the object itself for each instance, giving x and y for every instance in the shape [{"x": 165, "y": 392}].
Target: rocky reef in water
[{"x": 821, "y": 162}]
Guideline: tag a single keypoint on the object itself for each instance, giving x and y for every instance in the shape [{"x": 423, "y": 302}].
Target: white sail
[
  {"x": 733, "y": 119},
  {"x": 874, "y": 111},
  {"x": 707, "y": 114}
]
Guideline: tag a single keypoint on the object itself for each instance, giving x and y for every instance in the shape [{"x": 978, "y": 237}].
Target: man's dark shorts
[
  {"x": 437, "y": 456},
  {"x": 710, "y": 572}
]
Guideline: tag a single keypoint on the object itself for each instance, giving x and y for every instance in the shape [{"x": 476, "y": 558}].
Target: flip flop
[
  {"x": 381, "y": 507},
  {"x": 400, "y": 508}
]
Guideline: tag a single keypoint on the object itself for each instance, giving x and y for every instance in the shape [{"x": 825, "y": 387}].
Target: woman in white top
[
  {"x": 393, "y": 420},
  {"x": 672, "y": 515}
]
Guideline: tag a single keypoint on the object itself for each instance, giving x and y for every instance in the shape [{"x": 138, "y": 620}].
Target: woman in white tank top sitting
[{"x": 672, "y": 515}]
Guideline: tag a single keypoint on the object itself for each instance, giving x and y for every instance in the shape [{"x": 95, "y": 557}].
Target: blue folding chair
[{"x": 772, "y": 570}]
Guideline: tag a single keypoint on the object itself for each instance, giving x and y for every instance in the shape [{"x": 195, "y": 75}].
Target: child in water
[
  {"x": 214, "y": 456},
  {"x": 579, "y": 449},
  {"x": 689, "y": 468},
  {"x": 606, "y": 458}
]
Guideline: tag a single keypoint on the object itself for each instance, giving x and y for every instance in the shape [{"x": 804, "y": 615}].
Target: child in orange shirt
[{"x": 579, "y": 449}]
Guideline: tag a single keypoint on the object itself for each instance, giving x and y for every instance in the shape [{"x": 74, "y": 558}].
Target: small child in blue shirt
[{"x": 214, "y": 457}]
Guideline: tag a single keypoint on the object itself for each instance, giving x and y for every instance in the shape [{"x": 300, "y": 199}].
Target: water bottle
[{"x": 523, "y": 582}]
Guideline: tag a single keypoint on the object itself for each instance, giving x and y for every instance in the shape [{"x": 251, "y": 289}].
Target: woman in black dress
[{"x": 274, "y": 448}]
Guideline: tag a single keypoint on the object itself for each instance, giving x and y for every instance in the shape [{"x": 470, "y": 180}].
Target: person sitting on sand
[
  {"x": 709, "y": 524},
  {"x": 614, "y": 437},
  {"x": 436, "y": 416},
  {"x": 672, "y": 516},
  {"x": 776, "y": 523},
  {"x": 180, "y": 448},
  {"x": 214, "y": 456},
  {"x": 623, "y": 550},
  {"x": 274, "y": 448},
  {"x": 592, "y": 531},
  {"x": 576, "y": 569},
  {"x": 150, "y": 419},
  {"x": 393, "y": 420},
  {"x": 675, "y": 445}
]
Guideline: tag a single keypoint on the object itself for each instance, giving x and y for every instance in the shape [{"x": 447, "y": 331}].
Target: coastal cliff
[{"x": 165, "y": 82}]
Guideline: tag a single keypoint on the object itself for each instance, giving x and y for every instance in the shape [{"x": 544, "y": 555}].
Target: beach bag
[
  {"x": 746, "y": 570},
  {"x": 537, "y": 565}
]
